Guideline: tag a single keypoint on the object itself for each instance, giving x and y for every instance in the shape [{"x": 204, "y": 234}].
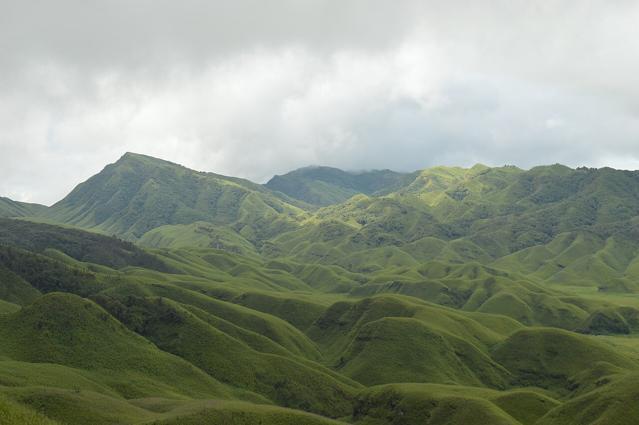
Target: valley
[{"x": 156, "y": 294}]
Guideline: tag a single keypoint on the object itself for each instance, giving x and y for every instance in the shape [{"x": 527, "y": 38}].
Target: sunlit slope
[
  {"x": 139, "y": 193},
  {"x": 494, "y": 211},
  {"x": 581, "y": 258},
  {"x": 198, "y": 235}
]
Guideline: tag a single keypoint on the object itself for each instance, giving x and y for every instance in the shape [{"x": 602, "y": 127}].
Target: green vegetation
[
  {"x": 321, "y": 186},
  {"x": 444, "y": 296},
  {"x": 139, "y": 193},
  {"x": 9, "y": 208},
  {"x": 12, "y": 413},
  {"x": 82, "y": 246}
]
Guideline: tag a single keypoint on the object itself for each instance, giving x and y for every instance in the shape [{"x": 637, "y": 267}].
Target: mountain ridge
[{"x": 463, "y": 295}]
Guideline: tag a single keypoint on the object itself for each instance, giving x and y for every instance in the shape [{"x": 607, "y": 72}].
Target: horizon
[{"x": 354, "y": 172}]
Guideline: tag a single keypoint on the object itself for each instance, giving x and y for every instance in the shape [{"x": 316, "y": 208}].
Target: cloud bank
[{"x": 254, "y": 88}]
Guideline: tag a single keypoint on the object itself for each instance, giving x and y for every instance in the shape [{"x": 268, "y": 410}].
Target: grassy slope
[
  {"x": 80, "y": 245},
  {"x": 139, "y": 193},
  {"x": 281, "y": 378},
  {"x": 323, "y": 186},
  {"x": 68, "y": 330},
  {"x": 236, "y": 413},
  {"x": 12, "y": 413},
  {"x": 613, "y": 402},
  {"x": 10, "y": 208},
  {"x": 460, "y": 265},
  {"x": 200, "y": 235},
  {"x": 440, "y": 404},
  {"x": 557, "y": 359}
]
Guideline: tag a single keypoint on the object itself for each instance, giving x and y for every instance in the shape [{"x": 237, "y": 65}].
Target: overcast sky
[{"x": 256, "y": 88}]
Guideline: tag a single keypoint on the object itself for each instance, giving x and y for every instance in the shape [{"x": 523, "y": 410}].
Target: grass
[
  {"x": 236, "y": 413},
  {"x": 434, "y": 356},
  {"x": 12, "y": 413},
  {"x": 449, "y": 295},
  {"x": 198, "y": 235},
  {"x": 613, "y": 402},
  {"x": 68, "y": 330},
  {"x": 280, "y": 378},
  {"x": 397, "y": 404},
  {"x": 553, "y": 358}
]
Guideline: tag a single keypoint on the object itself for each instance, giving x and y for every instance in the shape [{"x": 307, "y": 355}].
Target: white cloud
[{"x": 250, "y": 89}]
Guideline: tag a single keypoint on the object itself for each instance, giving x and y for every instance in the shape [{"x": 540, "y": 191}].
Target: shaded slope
[
  {"x": 68, "y": 330},
  {"x": 236, "y": 413},
  {"x": 282, "y": 378},
  {"x": 274, "y": 328},
  {"x": 323, "y": 186},
  {"x": 367, "y": 340},
  {"x": 613, "y": 402},
  {"x": 80, "y": 245},
  {"x": 408, "y": 350},
  {"x": 399, "y": 404},
  {"x": 10, "y": 208},
  {"x": 556, "y": 359}
]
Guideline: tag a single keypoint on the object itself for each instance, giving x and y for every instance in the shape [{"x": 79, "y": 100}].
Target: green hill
[
  {"x": 139, "y": 193},
  {"x": 441, "y": 405},
  {"x": 80, "y": 245},
  {"x": 10, "y": 208},
  {"x": 611, "y": 403},
  {"x": 282, "y": 378},
  {"x": 15, "y": 414},
  {"x": 551, "y": 358},
  {"x": 446, "y": 296},
  {"x": 321, "y": 186},
  {"x": 68, "y": 330}
]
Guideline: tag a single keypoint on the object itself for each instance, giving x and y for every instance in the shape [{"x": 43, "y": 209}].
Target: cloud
[{"x": 252, "y": 88}]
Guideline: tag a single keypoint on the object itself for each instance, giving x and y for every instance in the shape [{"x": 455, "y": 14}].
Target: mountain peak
[
  {"x": 138, "y": 193},
  {"x": 138, "y": 158}
]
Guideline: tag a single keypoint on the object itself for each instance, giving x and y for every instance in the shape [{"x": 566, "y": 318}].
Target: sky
[{"x": 253, "y": 88}]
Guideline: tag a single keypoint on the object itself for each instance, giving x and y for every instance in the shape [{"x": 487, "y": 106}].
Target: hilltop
[{"x": 139, "y": 193}]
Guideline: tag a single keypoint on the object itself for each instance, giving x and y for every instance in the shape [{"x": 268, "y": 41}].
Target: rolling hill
[{"x": 155, "y": 294}]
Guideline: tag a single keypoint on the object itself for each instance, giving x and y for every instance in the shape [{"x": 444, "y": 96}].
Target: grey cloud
[{"x": 254, "y": 88}]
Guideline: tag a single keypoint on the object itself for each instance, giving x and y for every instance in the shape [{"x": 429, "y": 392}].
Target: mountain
[
  {"x": 155, "y": 294},
  {"x": 139, "y": 193},
  {"x": 321, "y": 186},
  {"x": 9, "y": 208},
  {"x": 482, "y": 214}
]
